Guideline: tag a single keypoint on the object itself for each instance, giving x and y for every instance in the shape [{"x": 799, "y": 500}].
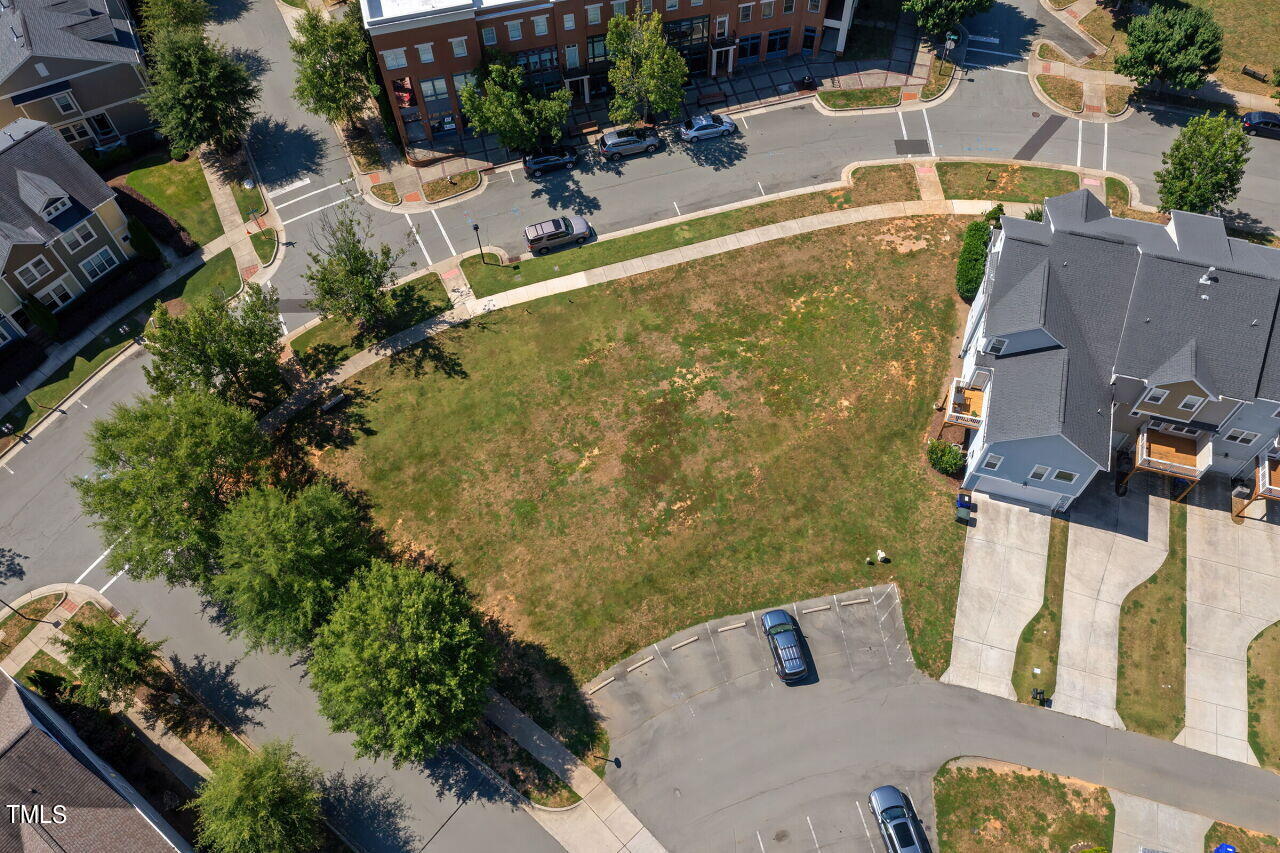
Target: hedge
[
  {"x": 973, "y": 260},
  {"x": 161, "y": 225}
]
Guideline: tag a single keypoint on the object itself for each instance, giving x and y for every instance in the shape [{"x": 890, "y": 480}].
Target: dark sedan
[{"x": 1261, "y": 124}]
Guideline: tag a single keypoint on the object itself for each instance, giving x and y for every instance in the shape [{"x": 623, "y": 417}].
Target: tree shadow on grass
[
  {"x": 366, "y": 809},
  {"x": 341, "y": 426},
  {"x": 215, "y": 683}
]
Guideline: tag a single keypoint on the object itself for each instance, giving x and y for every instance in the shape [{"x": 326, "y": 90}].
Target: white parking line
[
  {"x": 113, "y": 579},
  {"x": 760, "y": 841},
  {"x": 761, "y": 186},
  {"x": 310, "y": 194},
  {"x": 95, "y": 563},
  {"x": 1079, "y": 141},
  {"x": 447, "y": 241},
  {"x": 315, "y": 210},
  {"x": 414, "y": 229},
  {"x": 997, "y": 68},
  {"x": 743, "y": 119},
  {"x": 928, "y": 131},
  {"x": 973, "y": 49},
  {"x": 1105, "y": 141},
  {"x": 285, "y": 189},
  {"x": 863, "y": 818},
  {"x": 816, "y": 845},
  {"x": 677, "y": 207}
]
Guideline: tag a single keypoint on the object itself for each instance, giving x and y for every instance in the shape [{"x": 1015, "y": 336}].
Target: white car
[{"x": 707, "y": 126}]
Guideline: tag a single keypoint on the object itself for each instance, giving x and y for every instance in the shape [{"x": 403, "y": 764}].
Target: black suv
[
  {"x": 549, "y": 160},
  {"x": 784, "y": 642},
  {"x": 1261, "y": 124}
]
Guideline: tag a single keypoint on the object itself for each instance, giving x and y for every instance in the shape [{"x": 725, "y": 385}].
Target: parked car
[
  {"x": 549, "y": 160},
  {"x": 1261, "y": 124},
  {"x": 545, "y": 236},
  {"x": 784, "y": 642},
  {"x": 707, "y": 126},
  {"x": 629, "y": 140},
  {"x": 896, "y": 817}
]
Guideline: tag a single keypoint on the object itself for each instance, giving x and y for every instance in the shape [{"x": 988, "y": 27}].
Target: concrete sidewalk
[{"x": 1143, "y": 824}]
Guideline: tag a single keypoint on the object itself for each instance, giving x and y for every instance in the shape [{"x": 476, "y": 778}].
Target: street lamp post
[
  {"x": 25, "y": 616},
  {"x": 475, "y": 226}
]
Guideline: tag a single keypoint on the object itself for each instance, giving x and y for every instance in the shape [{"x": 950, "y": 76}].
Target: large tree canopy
[
  {"x": 502, "y": 105},
  {"x": 260, "y": 802},
  {"x": 647, "y": 73},
  {"x": 332, "y": 60},
  {"x": 111, "y": 659},
  {"x": 349, "y": 279},
  {"x": 1204, "y": 167},
  {"x": 936, "y": 17},
  {"x": 1175, "y": 45}
]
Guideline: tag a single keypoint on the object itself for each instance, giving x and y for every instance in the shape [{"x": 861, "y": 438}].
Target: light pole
[
  {"x": 25, "y": 616},
  {"x": 475, "y": 226}
]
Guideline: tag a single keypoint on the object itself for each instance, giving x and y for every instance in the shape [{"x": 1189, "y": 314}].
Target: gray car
[
  {"x": 629, "y": 140},
  {"x": 896, "y": 817},
  {"x": 783, "y": 635},
  {"x": 545, "y": 236},
  {"x": 707, "y": 126}
]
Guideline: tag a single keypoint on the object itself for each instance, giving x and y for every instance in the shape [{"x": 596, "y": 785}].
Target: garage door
[{"x": 1032, "y": 495}]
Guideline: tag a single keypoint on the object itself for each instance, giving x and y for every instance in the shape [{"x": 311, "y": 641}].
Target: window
[
  {"x": 41, "y": 69},
  {"x": 1240, "y": 436},
  {"x": 597, "y": 51},
  {"x": 1190, "y": 403},
  {"x": 33, "y": 271},
  {"x": 425, "y": 53},
  {"x": 459, "y": 46},
  {"x": 1040, "y": 472},
  {"x": 1065, "y": 476},
  {"x": 76, "y": 132},
  {"x": 569, "y": 22},
  {"x": 619, "y": 7},
  {"x": 788, "y": 6},
  {"x": 538, "y": 59},
  {"x": 65, "y": 103},
  {"x": 766, "y": 8},
  {"x": 778, "y": 41},
  {"x": 744, "y": 13},
  {"x": 489, "y": 36},
  {"x": 434, "y": 89},
  {"x": 593, "y": 14},
  {"x": 1182, "y": 430},
  {"x": 1155, "y": 396},
  {"x": 463, "y": 80},
  {"x": 997, "y": 345},
  {"x": 722, "y": 31},
  {"x": 55, "y": 206},
  {"x": 992, "y": 462},
  {"x": 570, "y": 56},
  {"x": 392, "y": 59},
  {"x": 78, "y": 236},
  {"x": 695, "y": 2},
  {"x": 513, "y": 30},
  {"x": 646, "y": 6},
  {"x": 102, "y": 127},
  {"x": 539, "y": 25},
  {"x": 672, "y": 5},
  {"x": 55, "y": 297},
  {"x": 98, "y": 265},
  {"x": 814, "y": 5}
]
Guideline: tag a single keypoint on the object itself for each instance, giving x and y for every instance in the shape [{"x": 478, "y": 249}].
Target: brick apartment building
[{"x": 427, "y": 48}]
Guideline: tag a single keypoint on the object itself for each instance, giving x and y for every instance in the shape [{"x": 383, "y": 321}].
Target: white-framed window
[
  {"x": 997, "y": 345},
  {"x": 395, "y": 58},
  {"x": 488, "y": 36},
  {"x": 1190, "y": 403},
  {"x": 992, "y": 462},
  {"x": 1182, "y": 430},
  {"x": 1039, "y": 472},
  {"x": 65, "y": 103},
  {"x": 814, "y": 5},
  {"x": 744, "y": 13},
  {"x": 433, "y": 89},
  {"x": 463, "y": 80},
  {"x": 695, "y": 2},
  {"x": 646, "y": 6},
  {"x": 672, "y": 5},
  {"x": 32, "y": 271},
  {"x": 77, "y": 237},
  {"x": 1155, "y": 396},
  {"x": 722, "y": 26},
  {"x": 426, "y": 53},
  {"x": 513, "y": 30},
  {"x": 54, "y": 297},
  {"x": 74, "y": 132},
  {"x": 1065, "y": 476},
  {"x": 570, "y": 56},
  {"x": 55, "y": 206},
  {"x": 1240, "y": 436},
  {"x": 569, "y": 22},
  {"x": 619, "y": 7},
  {"x": 459, "y": 45},
  {"x": 766, "y": 8},
  {"x": 97, "y": 266},
  {"x": 593, "y": 14},
  {"x": 539, "y": 25},
  {"x": 788, "y": 6}
]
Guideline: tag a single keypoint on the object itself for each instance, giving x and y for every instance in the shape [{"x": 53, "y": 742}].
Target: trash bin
[{"x": 1225, "y": 848}]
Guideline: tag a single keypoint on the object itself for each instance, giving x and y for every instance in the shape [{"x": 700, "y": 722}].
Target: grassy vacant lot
[
  {"x": 180, "y": 190},
  {"x": 1065, "y": 92},
  {"x": 868, "y": 185},
  {"x": 1004, "y": 182},
  {"x": 623, "y": 461},
  {"x": 844, "y": 99},
  {"x": 1038, "y": 645},
  {"x": 331, "y": 342},
  {"x": 14, "y": 629},
  {"x": 1243, "y": 840},
  {"x": 990, "y": 805},
  {"x": 1264, "y": 697},
  {"x": 1251, "y": 30},
  {"x": 1152, "y": 675},
  {"x": 442, "y": 188}
]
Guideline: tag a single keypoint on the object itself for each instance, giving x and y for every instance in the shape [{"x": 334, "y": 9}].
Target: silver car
[
  {"x": 545, "y": 236},
  {"x": 896, "y": 818},
  {"x": 707, "y": 126},
  {"x": 629, "y": 140}
]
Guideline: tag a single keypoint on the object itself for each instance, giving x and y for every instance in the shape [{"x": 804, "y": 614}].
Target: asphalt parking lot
[{"x": 704, "y": 705}]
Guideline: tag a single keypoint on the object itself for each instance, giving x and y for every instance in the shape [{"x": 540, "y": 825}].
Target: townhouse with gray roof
[
  {"x": 76, "y": 64},
  {"x": 1097, "y": 341}
]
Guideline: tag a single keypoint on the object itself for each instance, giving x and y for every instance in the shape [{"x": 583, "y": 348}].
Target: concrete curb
[
  {"x": 836, "y": 111},
  {"x": 1034, "y": 79},
  {"x": 1074, "y": 24},
  {"x": 1034, "y": 61}
]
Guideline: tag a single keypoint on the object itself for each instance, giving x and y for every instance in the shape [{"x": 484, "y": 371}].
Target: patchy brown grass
[
  {"x": 1264, "y": 697},
  {"x": 1063, "y": 91},
  {"x": 14, "y": 629},
  {"x": 1244, "y": 840},
  {"x": 1101, "y": 24},
  {"x": 1004, "y": 182},
  {"x": 385, "y": 192},
  {"x": 1117, "y": 98},
  {"x": 1050, "y": 52},
  {"x": 442, "y": 188}
]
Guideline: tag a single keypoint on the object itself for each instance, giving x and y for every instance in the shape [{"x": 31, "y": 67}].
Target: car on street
[
  {"x": 553, "y": 233},
  {"x": 707, "y": 126},
  {"x": 896, "y": 817},
  {"x": 616, "y": 144},
  {"x": 1261, "y": 124},
  {"x": 783, "y": 634},
  {"x": 549, "y": 159}
]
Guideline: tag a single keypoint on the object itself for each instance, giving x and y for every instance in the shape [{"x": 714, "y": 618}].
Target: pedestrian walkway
[
  {"x": 1114, "y": 545},
  {"x": 235, "y": 229},
  {"x": 600, "y": 823},
  {"x": 1143, "y": 824}
]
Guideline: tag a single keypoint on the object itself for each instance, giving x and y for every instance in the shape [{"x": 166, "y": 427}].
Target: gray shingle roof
[
  {"x": 1020, "y": 306},
  {"x": 63, "y": 29}
]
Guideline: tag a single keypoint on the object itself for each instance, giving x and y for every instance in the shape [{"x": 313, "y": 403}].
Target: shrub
[
  {"x": 161, "y": 225},
  {"x": 142, "y": 241},
  {"x": 946, "y": 458},
  {"x": 1035, "y": 214},
  {"x": 993, "y": 215},
  {"x": 973, "y": 259}
]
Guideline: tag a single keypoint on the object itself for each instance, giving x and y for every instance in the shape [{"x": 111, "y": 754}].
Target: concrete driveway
[{"x": 1001, "y": 588}]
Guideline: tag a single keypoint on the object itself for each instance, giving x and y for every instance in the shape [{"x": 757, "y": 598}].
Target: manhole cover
[{"x": 1035, "y": 115}]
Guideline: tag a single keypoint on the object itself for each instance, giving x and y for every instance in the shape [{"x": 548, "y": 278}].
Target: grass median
[
  {"x": 1004, "y": 181},
  {"x": 852, "y": 99},
  {"x": 1063, "y": 91},
  {"x": 1038, "y": 645},
  {"x": 1264, "y": 697}
]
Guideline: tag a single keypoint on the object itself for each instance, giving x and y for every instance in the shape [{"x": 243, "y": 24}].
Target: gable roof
[{"x": 64, "y": 29}]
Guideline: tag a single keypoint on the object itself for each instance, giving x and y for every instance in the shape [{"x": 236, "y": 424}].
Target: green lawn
[
  {"x": 1038, "y": 645},
  {"x": 1007, "y": 807},
  {"x": 264, "y": 244},
  {"x": 940, "y": 74},
  {"x": 1004, "y": 182},
  {"x": 332, "y": 341},
  {"x": 1063, "y": 91},
  {"x": 627, "y": 460},
  {"x": 1264, "y": 697},
  {"x": 47, "y": 662},
  {"x": 1243, "y": 840},
  {"x": 869, "y": 185},
  {"x": 1251, "y": 36},
  {"x": 845, "y": 99},
  {"x": 218, "y": 277},
  {"x": 14, "y": 629},
  {"x": 180, "y": 190},
  {"x": 1152, "y": 673},
  {"x": 249, "y": 201}
]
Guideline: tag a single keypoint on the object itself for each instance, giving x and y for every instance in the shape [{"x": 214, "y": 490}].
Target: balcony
[
  {"x": 1172, "y": 456},
  {"x": 1266, "y": 480},
  {"x": 964, "y": 404}
]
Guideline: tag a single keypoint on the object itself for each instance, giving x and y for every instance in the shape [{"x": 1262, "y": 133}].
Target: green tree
[
  {"x": 1204, "y": 166},
  {"x": 503, "y": 105},
  {"x": 165, "y": 471},
  {"x": 402, "y": 663},
  {"x": 647, "y": 74},
  {"x": 332, "y": 60},
  {"x": 231, "y": 351},
  {"x": 284, "y": 561},
  {"x": 937, "y": 17},
  {"x": 111, "y": 659},
  {"x": 1175, "y": 45},
  {"x": 199, "y": 93},
  {"x": 347, "y": 278},
  {"x": 260, "y": 802},
  {"x": 155, "y": 16}
]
